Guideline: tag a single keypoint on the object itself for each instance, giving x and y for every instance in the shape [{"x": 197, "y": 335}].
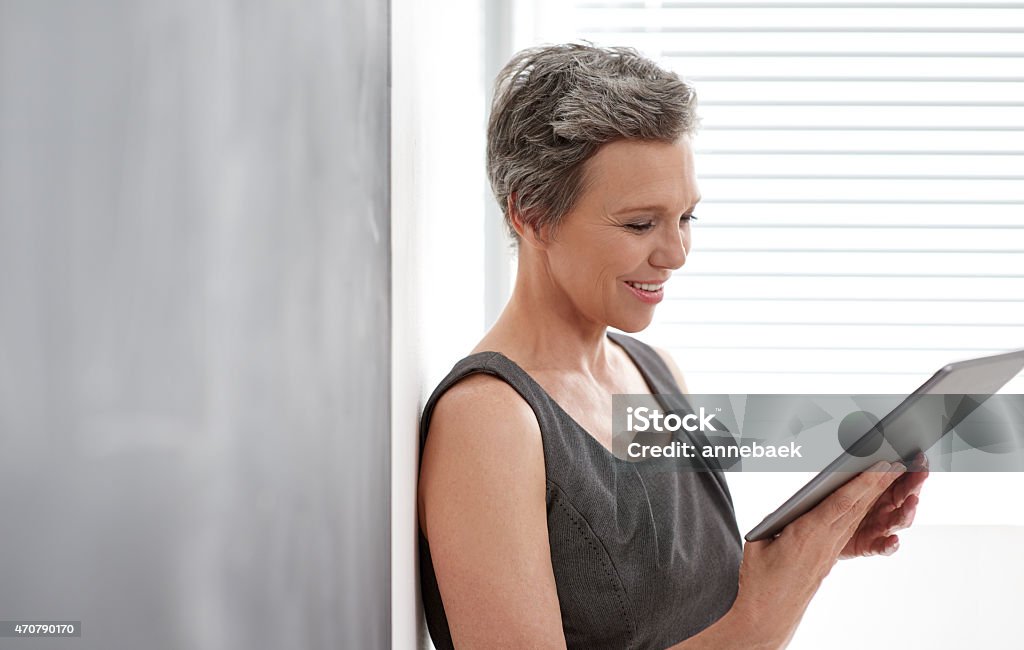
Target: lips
[{"x": 649, "y": 296}]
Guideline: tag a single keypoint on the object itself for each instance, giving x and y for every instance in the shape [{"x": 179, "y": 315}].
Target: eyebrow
[{"x": 653, "y": 208}]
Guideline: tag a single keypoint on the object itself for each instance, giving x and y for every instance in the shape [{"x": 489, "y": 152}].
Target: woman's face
[{"x": 630, "y": 229}]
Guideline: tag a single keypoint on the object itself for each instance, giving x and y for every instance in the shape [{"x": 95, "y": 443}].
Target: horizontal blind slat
[
  {"x": 774, "y": 4},
  {"x": 838, "y": 190},
  {"x": 827, "y": 141},
  {"x": 920, "y": 263},
  {"x": 881, "y": 288},
  {"x": 668, "y": 44},
  {"x": 865, "y": 238},
  {"x": 844, "y": 312},
  {"x": 1001, "y": 338},
  {"x": 965, "y": 166},
  {"x": 864, "y": 117},
  {"x": 716, "y": 211},
  {"x": 817, "y": 19}
]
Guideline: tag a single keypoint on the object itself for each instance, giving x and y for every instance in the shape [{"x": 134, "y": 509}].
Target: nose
[{"x": 670, "y": 251}]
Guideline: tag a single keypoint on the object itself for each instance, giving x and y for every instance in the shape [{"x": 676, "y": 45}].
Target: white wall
[
  {"x": 947, "y": 587},
  {"x": 438, "y": 195}
]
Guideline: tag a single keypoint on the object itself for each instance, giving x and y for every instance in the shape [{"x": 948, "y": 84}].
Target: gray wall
[{"x": 194, "y": 322}]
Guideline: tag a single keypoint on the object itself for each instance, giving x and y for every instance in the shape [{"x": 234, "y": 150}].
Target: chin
[{"x": 632, "y": 325}]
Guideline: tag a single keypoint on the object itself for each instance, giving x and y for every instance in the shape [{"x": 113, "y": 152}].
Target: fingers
[
  {"x": 878, "y": 538},
  {"x": 903, "y": 516},
  {"x": 847, "y": 509},
  {"x": 892, "y": 511},
  {"x": 875, "y": 536},
  {"x": 851, "y": 502},
  {"x": 914, "y": 481},
  {"x": 885, "y": 545},
  {"x": 861, "y": 515},
  {"x": 886, "y": 520},
  {"x": 919, "y": 463},
  {"x": 871, "y": 487},
  {"x": 908, "y": 485}
]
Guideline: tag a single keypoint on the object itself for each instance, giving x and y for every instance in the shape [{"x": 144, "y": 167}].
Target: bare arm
[{"x": 483, "y": 511}]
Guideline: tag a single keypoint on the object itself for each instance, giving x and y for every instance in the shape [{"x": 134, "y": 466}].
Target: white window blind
[{"x": 862, "y": 167}]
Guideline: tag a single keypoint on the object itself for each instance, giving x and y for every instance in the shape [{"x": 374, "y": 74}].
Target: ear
[{"x": 528, "y": 234}]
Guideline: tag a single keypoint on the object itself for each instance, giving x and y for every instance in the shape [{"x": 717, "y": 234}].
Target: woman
[{"x": 532, "y": 534}]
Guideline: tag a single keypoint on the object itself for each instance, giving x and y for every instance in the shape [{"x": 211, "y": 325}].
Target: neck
[{"x": 542, "y": 326}]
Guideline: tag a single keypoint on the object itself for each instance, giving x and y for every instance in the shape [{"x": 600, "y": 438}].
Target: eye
[
  {"x": 640, "y": 226},
  {"x": 686, "y": 218}
]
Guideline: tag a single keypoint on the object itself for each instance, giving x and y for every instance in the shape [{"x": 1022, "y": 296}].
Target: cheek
[
  {"x": 624, "y": 259},
  {"x": 607, "y": 280}
]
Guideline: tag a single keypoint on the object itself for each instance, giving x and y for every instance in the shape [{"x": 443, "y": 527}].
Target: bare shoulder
[
  {"x": 483, "y": 447},
  {"x": 672, "y": 366},
  {"x": 482, "y": 506},
  {"x": 483, "y": 429},
  {"x": 484, "y": 400}
]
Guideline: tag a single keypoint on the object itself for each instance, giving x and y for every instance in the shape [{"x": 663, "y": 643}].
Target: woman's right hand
[{"x": 778, "y": 577}]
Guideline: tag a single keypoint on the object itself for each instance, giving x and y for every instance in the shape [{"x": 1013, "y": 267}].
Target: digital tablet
[{"x": 907, "y": 430}]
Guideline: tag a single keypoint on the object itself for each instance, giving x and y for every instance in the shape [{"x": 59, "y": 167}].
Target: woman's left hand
[{"x": 893, "y": 511}]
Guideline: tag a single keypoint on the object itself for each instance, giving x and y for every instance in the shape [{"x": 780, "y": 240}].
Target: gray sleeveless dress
[{"x": 642, "y": 559}]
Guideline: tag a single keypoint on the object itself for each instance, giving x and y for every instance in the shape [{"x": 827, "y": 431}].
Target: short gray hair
[{"x": 554, "y": 106}]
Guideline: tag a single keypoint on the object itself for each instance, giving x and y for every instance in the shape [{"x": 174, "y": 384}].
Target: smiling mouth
[{"x": 645, "y": 286}]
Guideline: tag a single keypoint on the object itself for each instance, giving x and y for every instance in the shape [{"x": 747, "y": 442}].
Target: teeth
[{"x": 645, "y": 287}]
